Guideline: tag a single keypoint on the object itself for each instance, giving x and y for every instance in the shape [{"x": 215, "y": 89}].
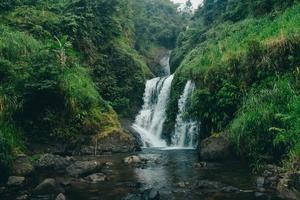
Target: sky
[{"x": 194, "y": 2}]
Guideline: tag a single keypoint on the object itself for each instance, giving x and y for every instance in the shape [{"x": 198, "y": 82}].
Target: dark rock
[
  {"x": 109, "y": 164},
  {"x": 206, "y": 184},
  {"x": 183, "y": 184},
  {"x": 22, "y": 166},
  {"x": 52, "y": 162},
  {"x": 48, "y": 186},
  {"x": 133, "y": 197},
  {"x": 288, "y": 186},
  {"x": 117, "y": 142},
  {"x": 15, "y": 181},
  {"x": 130, "y": 184},
  {"x": 150, "y": 194},
  {"x": 80, "y": 168},
  {"x": 95, "y": 178},
  {"x": 2, "y": 189},
  {"x": 87, "y": 150},
  {"x": 108, "y": 171},
  {"x": 230, "y": 189},
  {"x": 22, "y": 197},
  {"x": 260, "y": 182},
  {"x": 127, "y": 125},
  {"x": 65, "y": 182},
  {"x": 60, "y": 196},
  {"x": 215, "y": 148},
  {"x": 201, "y": 165}
]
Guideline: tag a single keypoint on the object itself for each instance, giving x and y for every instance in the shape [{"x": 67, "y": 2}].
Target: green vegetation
[
  {"x": 245, "y": 63},
  {"x": 69, "y": 69},
  {"x": 267, "y": 125},
  {"x": 156, "y": 27}
]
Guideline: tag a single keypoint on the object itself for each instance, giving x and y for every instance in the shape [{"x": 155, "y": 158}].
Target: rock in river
[
  {"x": 52, "y": 162},
  {"x": 15, "y": 180},
  {"x": 215, "y": 148},
  {"x": 80, "y": 168},
  {"x": 60, "y": 196},
  {"x": 48, "y": 186},
  {"x": 95, "y": 178},
  {"x": 132, "y": 160},
  {"x": 22, "y": 166}
]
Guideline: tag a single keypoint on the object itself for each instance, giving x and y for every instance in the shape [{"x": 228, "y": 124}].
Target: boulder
[
  {"x": 95, "y": 178},
  {"x": 183, "y": 184},
  {"x": 201, "y": 165},
  {"x": 132, "y": 197},
  {"x": 60, "y": 196},
  {"x": 289, "y": 186},
  {"x": 2, "y": 190},
  {"x": 132, "y": 160},
  {"x": 117, "y": 141},
  {"x": 207, "y": 186},
  {"x": 215, "y": 148},
  {"x": 230, "y": 189},
  {"x": 260, "y": 182},
  {"x": 23, "y": 197},
  {"x": 127, "y": 125},
  {"x": 150, "y": 194},
  {"x": 15, "y": 180},
  {"x": 48, "y": 186},
  {"x": 52, "y": 162},
  {"x": 22, "y": 166},
  {"x": 80, "y": 168},
  {"x": 213, "y": 185}
]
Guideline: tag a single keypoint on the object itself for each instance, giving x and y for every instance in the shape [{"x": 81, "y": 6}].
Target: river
[{"x": 175, "y": 175}]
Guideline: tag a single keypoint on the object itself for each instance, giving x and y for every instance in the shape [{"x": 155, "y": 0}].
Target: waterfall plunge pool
[{"x": 175, "y": 175}]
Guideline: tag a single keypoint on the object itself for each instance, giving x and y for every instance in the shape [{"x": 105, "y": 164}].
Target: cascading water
[
  {"x": 149, "y": 122},
  {"x": 186, "y": 129}
]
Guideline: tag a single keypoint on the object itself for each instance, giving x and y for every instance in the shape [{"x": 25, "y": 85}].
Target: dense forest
[
  {"x": 72, "y": 70},
  {"x": 68, "y": 68}
]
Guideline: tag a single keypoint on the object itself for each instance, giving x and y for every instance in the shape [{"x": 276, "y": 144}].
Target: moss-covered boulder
[{"x": 215, "y": 147}]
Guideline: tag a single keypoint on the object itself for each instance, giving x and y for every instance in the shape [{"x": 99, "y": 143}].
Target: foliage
[
  {"x": 157, "y": 24},
  {"x": 235, "y": 51},
  {"x": 264, "y": 126},
  {"x": 66, "y": 66},
  {"x": 232, "y": 61}
]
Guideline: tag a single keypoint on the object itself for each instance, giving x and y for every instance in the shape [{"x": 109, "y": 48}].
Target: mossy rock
[{"x": 111, "y": 141}]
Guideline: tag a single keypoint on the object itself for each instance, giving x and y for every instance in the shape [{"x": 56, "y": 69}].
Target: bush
[{"x": 263, "y": 126}]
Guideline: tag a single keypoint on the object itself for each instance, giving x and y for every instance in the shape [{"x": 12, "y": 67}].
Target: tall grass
[
  {"x": 229, "y": 40},
  {"x": 11, "y": 140},
  {"x": 267, "y": 123},
  {"x": 17, "y": 46}
]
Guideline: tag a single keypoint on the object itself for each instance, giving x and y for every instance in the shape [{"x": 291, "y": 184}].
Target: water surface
[{"x": 165, "y": 172}]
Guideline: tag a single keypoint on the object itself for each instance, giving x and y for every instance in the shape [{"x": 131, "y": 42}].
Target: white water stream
[{"x": 150, "y": 120}]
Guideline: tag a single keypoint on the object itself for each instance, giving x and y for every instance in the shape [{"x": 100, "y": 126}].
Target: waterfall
[
  {"x": 149, "y": 122},
  {"x": 186, "y": 129}
]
